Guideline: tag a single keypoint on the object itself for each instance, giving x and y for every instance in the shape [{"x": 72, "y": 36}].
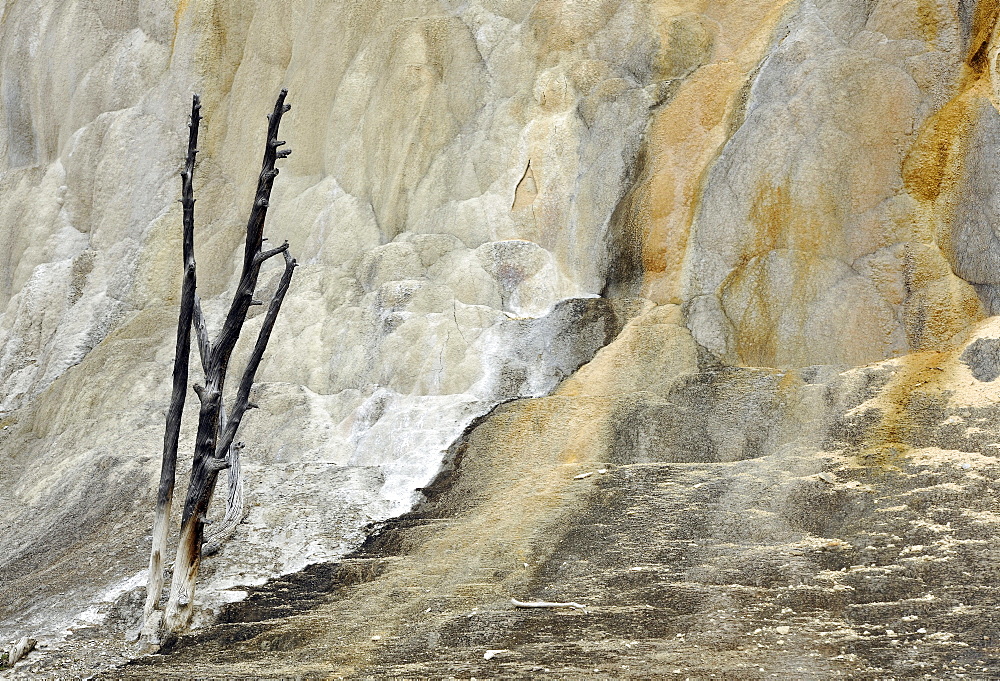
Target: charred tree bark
[
  {"x": 213, "y": 443},
  {"x": 214, "y": 447},
  {"x": 168, "y": 468}
]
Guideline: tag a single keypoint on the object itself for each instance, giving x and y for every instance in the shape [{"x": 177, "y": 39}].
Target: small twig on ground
[{"x": 546, "y": 604}]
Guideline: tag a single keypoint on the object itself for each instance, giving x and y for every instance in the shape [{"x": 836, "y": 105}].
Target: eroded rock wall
[
  {"x": 840, "y": 220},
  {"x": 455, "y": 170},
  {"x": 738, "y": 201}
]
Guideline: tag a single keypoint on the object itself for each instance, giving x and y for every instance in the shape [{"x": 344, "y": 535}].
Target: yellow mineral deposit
[{"x": 686, "y": 134}]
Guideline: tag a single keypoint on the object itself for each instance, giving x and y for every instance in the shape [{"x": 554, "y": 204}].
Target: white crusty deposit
[{"x": 455, "y": 169}]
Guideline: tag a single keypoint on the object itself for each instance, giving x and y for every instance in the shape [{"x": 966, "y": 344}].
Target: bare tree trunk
[
  {"x": 234, "y": 497},
  {"x": 212, "y": 444},
  {"x": 235, "y": 511},
  {"x": 182, "y": 352}
]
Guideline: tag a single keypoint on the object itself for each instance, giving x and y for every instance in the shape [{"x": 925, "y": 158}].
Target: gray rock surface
[{"x": 983, "y": 358}]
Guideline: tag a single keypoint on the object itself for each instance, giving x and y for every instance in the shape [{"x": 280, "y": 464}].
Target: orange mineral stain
[
  {"x": 687, "y": 133},
  {"x": 182, "y": 6},
  {"x": 907, "y": 406}
]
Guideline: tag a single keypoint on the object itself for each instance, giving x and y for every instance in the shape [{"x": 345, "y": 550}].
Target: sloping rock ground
[{"x": 758, "y": 524}]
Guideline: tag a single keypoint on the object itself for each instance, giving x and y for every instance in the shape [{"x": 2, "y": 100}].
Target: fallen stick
[
  {"x": 546, "y": 604},
  {"x": 19, "y": 650}
]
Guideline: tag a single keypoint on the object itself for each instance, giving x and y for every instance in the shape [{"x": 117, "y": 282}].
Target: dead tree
[
  {"x": 182, "y": 353},
  {"x": 215, "y": 449}
]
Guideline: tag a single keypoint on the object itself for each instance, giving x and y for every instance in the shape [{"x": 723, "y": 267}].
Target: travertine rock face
[
  {"x": 731, "y": 202},
  {"x": 810, "y": 224},
  {"x": 455, "y": 170}
]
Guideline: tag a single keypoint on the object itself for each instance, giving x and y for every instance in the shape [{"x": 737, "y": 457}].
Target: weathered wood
[
  {"x": 201, "y": 333},
  {"x": 186, "y": 564},
  {"x": 182, "y": 351},
  {"x": 242, "y": 401},
  {"x": 19, "y": 649},
  {"x": 235, "y": 509},
  {"x": 212, "y": 444},
  {"x": 228, "y": 450}
]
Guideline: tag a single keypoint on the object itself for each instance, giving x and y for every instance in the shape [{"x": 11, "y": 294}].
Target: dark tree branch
[
  {"x": 216, "y": 465},
  {"x": 264, "y": 255},
  {"x": 201, "y": 333},
  {"x": 182, "y": 351},
  {"x": 242, "y": 401},
  {"x": 223, "y": 347}
]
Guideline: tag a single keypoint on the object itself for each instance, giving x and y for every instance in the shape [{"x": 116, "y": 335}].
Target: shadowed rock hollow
[{"x": 678, "y": 310}]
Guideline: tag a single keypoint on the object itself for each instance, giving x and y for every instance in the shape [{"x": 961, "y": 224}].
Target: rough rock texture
[
  {"x": 438, "y": 274},
  {"x": 850, "y": 534},
  {"x": 739, "y": 255}
]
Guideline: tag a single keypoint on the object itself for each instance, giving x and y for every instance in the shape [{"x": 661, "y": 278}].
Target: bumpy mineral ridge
[{"x": 680, "y": 310}]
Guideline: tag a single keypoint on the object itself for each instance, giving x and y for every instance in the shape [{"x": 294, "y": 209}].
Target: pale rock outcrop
[
  {"x": 806, "y": 227},
  {"x": 455, "y": 170}
]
